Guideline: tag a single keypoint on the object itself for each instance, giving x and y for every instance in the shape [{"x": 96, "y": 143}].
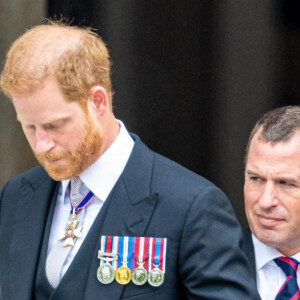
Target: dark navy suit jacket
[
  {"x": 248, "y": 248},
  {"x": 154, "y": 197}
]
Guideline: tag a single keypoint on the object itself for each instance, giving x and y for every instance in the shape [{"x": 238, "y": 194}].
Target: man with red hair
[{"x": 103, "y": 217}]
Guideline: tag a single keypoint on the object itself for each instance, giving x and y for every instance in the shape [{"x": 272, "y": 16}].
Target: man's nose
[
  {"x": 268, "y": 197},
  {"x": 43, "y": 143}
]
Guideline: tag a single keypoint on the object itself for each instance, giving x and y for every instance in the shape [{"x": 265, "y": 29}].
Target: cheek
[
  {"x": 248, "y": 208},
  {"x": 294, "y": 211},
  {"x": 251, "y": 207},
  {"x": 68, "y": 143},
  {"x": 253, "y": 190},
  {"x": 70, "y": 138},
  {"x": 289, "y": 202},
  {"x": 250, "y": 196}
]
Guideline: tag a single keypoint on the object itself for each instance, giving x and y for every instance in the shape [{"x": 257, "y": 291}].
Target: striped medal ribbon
[
  {"x": 106, "y": 272},
  {"x": 139, "y": 274}
]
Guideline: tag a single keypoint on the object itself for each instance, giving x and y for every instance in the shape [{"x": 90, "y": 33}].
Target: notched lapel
[
  {"x": 131, "y": 203},
  {"x": 143, "y": 211},
  {"x": 126, "y": 217},
  {"x": 248, "y": 249}
]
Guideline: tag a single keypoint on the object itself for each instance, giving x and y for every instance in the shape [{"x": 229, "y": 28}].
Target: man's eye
[
  {"x": 30, "y": 127},
  {"x": 50, "y": 126},
  {"x": 285, "y": 183},
  {"x": 54, "y": 126}
]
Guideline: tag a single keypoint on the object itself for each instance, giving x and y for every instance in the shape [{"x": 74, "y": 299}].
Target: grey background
[{"x": 15, "y": 17}]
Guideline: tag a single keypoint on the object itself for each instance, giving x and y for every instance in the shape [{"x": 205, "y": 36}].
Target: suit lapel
[
  {"x": 127, "y": 211},
  {"x": 30, "y": 218},
  {"x": 248, "y": 248}
]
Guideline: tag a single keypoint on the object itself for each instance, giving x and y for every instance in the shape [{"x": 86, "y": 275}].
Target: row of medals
[{"x": 123, "y": 275}]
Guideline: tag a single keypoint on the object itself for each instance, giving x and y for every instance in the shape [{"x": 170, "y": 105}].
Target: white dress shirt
[
  {"x": 100, "y": 178},
  {"x": 269, "y": 276}
]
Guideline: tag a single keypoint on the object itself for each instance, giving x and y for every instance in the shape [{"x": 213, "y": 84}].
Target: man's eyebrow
[
  {"x": 278, "y": 178},
  {"x": 249, "y": 172},
  {"x": 54, "y": 120}
]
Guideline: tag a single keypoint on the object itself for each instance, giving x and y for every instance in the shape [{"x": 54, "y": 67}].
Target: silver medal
[
  {"x": 156, "y": 277},
  {"x": 106, "y": 273},
  {"x": 139, "y": 276}
]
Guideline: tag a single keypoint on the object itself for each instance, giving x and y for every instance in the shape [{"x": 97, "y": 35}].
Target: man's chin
[
  {"x": 59, "y": 175},
  {"x": 61, "y": 172}
]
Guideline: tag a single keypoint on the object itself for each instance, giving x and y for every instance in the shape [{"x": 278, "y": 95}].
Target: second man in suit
[{"x": 272, "y": 202}]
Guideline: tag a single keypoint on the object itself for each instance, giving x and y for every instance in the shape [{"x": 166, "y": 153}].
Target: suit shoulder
[
  {"x": 182, "y": 188},
  {"x": 163, "y": 169},
  {"x": 34, "y": 177},
  {"x": 172, "y": 172}
]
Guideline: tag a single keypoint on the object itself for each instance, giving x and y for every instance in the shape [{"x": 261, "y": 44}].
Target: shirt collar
[
  {"x": 265, "y": 254},
  {"x": 102, "y": 175}
]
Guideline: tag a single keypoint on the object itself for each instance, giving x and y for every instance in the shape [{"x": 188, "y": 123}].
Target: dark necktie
[{"x": 290, "y": 289}]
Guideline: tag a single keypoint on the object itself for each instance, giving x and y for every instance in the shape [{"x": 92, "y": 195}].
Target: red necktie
[{"x": 290, "y": 289}]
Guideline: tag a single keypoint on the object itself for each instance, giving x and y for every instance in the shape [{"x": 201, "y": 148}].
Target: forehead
[
  {"x": 44, "y": 103},
  {"x": 278, "y": 155}
]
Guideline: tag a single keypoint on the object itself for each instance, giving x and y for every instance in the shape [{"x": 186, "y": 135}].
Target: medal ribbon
[
  {"x": 115, "y": 250},
  {"x": 156, "y": 247},
  {"x": 122, "y": 255},
  {"x": 130, "y": 253},
  {"x": 163, "y": 253},
  {"x": 83, "y": 203},
  {"x": 146, "y": 249},
  {"x": 134, "y": 250},
  {"x": 150, "y": 257},
  {"x": 102, "y": 247},
  {"x": 108, "y": 247},
  {"x": 141, "y": 245},
  {"x": 137, "y": 247},
  {"x": 109, "y": 244},
  {"x": 157, "y": 254},
  {"x": 125, "y": 251}
]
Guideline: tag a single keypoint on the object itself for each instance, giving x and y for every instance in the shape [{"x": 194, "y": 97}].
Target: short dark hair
[{"x": 278, "y": 125}]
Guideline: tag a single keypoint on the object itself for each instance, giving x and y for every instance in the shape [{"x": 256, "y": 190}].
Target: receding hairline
[
  {"x": 275, "y": 126},
  {"x": 49, "y": 42},
  {"x": 75, "y": 56}
]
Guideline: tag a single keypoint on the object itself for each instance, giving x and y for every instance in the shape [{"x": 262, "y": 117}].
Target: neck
[
  {"x": 288, "y": 252},
  {"x": 110, "y": 133}
]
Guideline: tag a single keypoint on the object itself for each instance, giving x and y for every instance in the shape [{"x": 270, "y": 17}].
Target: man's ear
[{"x": 98, "y": 99}]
